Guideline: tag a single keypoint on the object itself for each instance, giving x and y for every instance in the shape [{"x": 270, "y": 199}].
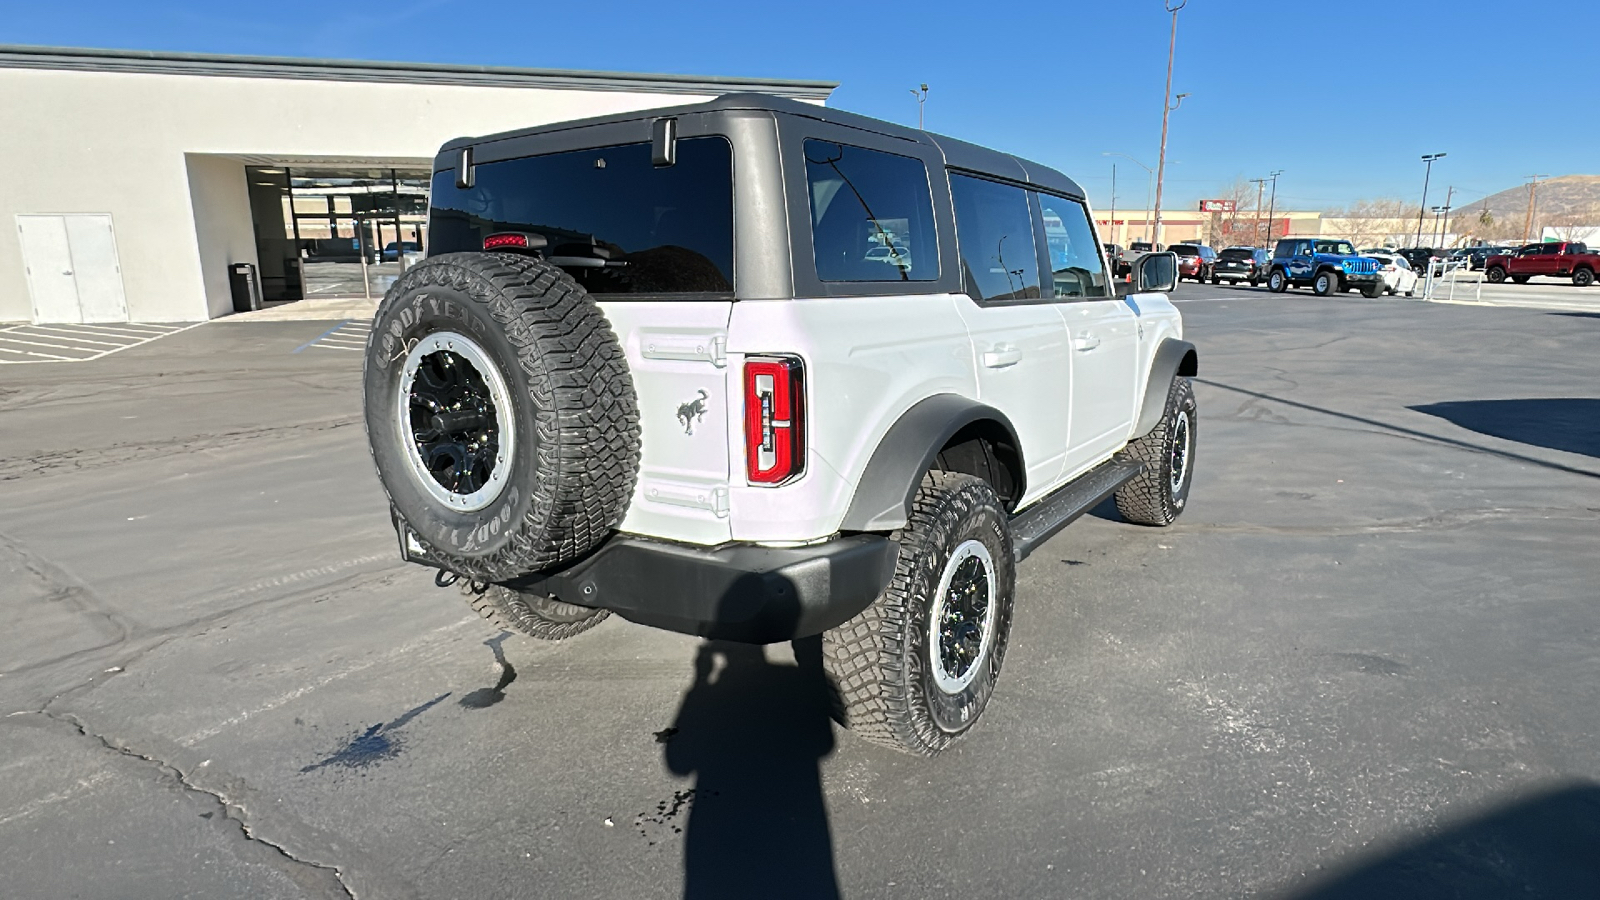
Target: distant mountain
[{"x": 1558, "y": 197}]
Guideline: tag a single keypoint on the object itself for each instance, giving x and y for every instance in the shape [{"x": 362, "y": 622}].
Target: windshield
[{"x": 1337, "y": 248}]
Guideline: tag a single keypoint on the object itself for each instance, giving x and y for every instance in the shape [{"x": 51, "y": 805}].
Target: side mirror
[{"x": 1157, "y": 273}]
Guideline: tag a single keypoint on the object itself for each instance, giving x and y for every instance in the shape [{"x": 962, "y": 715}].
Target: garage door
[{"x": 72, "y": 268}]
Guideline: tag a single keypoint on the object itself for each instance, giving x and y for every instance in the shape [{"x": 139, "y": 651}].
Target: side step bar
[{"x": 1041, "y": 521}]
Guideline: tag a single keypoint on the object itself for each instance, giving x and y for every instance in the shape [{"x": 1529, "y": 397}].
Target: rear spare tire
[{"x": 500, "y": 413}]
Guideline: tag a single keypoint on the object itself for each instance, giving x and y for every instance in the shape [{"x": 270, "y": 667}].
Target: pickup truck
[{"x": 1554, "y": 259}]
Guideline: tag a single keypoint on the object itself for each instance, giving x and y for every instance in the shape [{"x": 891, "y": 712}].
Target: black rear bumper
[{"x": 737, "y": 592}]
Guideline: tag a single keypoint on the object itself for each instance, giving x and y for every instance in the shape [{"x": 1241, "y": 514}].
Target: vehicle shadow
[
  {"x": 1544, "y": 845},
  {"x": 1569, "y": 424},
  {"x": 753, "y": 733}
]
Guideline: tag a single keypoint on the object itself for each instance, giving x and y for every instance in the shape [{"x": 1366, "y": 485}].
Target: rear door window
[
  {"x": 871, "y": 215},
  {"x": 994, "y": 228},
  {"x": 1076, "y": 271}
]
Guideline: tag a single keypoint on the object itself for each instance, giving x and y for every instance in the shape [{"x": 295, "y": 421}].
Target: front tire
[
  {"x": 1496, "y": 274},
  {"x": 1277, "y": 282},
  {"x": 1158, "y": 495},
  {"x": 1326, "y": 284},
  {"x": 915, "y": 670},
  {"x": 1373, "y": 291}
]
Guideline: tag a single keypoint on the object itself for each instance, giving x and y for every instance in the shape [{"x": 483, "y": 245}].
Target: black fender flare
[
  {"x": 1173, "y": 359},
  {"x": 882, "y": 501}
]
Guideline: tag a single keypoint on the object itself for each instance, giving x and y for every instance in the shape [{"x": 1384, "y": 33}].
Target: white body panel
[
  {"x": 867, "y": 361},
  {"x": 72, "y": 268}
]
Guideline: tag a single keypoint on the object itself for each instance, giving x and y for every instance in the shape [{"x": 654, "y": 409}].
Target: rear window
[
  {"x": 871, "y": 215},
  {"x": 1185, "y": 249},
  {"x": 614, "y": 221},
  {"x": 1238, "y": 254}
]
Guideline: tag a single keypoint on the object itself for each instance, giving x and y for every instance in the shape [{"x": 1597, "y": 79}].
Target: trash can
[{"x": 245, "y": 286}]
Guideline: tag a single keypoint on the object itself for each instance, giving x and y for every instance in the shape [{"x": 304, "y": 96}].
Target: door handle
[
  {"x": 1001, "y": 356},
  {"x": 1085, "y": 341}
]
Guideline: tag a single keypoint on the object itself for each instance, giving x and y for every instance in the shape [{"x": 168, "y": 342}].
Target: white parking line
[
  {"x": 78, "y": 343},
  {"x": 344, "y": 335}
]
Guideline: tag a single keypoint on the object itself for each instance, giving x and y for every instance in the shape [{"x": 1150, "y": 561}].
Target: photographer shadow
[{"x": 753, "y": 734}]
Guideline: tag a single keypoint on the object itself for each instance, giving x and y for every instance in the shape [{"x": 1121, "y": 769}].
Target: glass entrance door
[{"x": 345, "y": 232}]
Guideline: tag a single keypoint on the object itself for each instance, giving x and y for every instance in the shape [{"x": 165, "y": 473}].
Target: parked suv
[
  {"x": 1195, "y": 261},
  {"x": 1236, "y": 264},
  {"x": 1326, "y": 266},
  {"x": 1554, "y": 259},
  {"x": 836, "y": 398}
]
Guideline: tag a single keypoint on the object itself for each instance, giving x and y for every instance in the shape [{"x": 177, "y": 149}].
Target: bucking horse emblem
[{"x": 692, "y": 412}]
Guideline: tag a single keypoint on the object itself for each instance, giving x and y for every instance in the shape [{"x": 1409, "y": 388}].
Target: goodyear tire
[
  {"x": 1277, "y": 282},
  {"x": 1325, "y": 284},
  {"x": 915, "y": 670},
  {"x": 500, "y": 414},
  {"x": 1158, "y": 495}
]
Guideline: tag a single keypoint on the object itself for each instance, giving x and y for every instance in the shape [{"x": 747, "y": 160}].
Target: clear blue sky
[{"x": 1342, "y": 96}]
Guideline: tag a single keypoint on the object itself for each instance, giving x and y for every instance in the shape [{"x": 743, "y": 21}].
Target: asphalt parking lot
[{"x": 1366, "y": 662}]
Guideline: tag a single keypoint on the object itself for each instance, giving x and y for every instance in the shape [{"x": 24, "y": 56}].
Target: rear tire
[
  {"x": 1583, "y": 277},
  {"x": 1277, "y": 282},
  {"x": 536, "y": 616},
  {"x": 1158, "y": 495},
  {"x": 498, "y": 372},
  {"x": 904, "y": 683}
]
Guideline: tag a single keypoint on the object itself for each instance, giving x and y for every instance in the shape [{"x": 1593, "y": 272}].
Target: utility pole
[
  {"x": 1114, "y": 204},
  {"x": 1441, "y": 225},
  {"x": 1261, "y": 190},
  {"x": 1150, "y": 175},
  {"x": 922, "y": 98},
  {"x": 1166, "y": 111},
  {"x": 1429, "y": 158},
  {"x": 1272, "y": 205},
  {"x": 1533, "y": 194}
]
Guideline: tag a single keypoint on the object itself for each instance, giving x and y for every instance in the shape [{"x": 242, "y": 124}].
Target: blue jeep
[{"x": 1326, "y": 265}]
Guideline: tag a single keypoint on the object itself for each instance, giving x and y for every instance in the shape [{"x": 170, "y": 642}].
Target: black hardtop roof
[{"x": 957, "y": 153}]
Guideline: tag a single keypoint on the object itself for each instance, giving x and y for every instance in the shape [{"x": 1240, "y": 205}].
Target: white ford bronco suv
[{"x": 759, "y": 371}]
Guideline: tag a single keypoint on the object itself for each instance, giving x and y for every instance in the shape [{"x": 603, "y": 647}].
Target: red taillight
[
  {"x": 506, "y": 240},
  {"x": 774, "y": 419}
]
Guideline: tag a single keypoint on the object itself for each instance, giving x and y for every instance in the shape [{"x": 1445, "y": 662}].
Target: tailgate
[{"x": 677, "y": 355}]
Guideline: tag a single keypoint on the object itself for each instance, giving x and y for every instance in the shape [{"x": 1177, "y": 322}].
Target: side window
[
  {"x": 1075, "y": 269},
  {"x": 999, "y": 259},
  {"x": 1285, "y": 248},
  {"x": 871, "y": 215}
]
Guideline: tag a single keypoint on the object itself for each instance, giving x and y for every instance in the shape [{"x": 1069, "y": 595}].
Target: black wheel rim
[
  {"x": 963, "y": 619},
  {"x": 454, "y": 423},
  {"x": 1179, "y": 453}
]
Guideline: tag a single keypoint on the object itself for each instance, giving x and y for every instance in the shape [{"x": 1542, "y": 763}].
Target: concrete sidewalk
[{"x": 312, "y": 309}]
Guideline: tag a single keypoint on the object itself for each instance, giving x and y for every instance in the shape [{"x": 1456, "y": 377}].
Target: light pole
[
  {"x": 922, "y": 97},
  {"x": 1272, "y": 205},
  {"x": 1167, "y": 106},
  {"x": 1114, "y": 203},
  {"x": 1429, "y": 158},
  {"x": 1150, "y": 175},
  {"x": 1441, "y": 216}
]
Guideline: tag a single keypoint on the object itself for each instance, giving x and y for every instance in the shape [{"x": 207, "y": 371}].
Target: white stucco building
[{"x": 131, "y": 181}]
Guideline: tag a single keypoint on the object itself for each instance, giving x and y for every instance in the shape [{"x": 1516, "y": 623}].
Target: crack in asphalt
[
  {"x": 45, "y": 464},
  {"x": 324, "y": 879}
]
